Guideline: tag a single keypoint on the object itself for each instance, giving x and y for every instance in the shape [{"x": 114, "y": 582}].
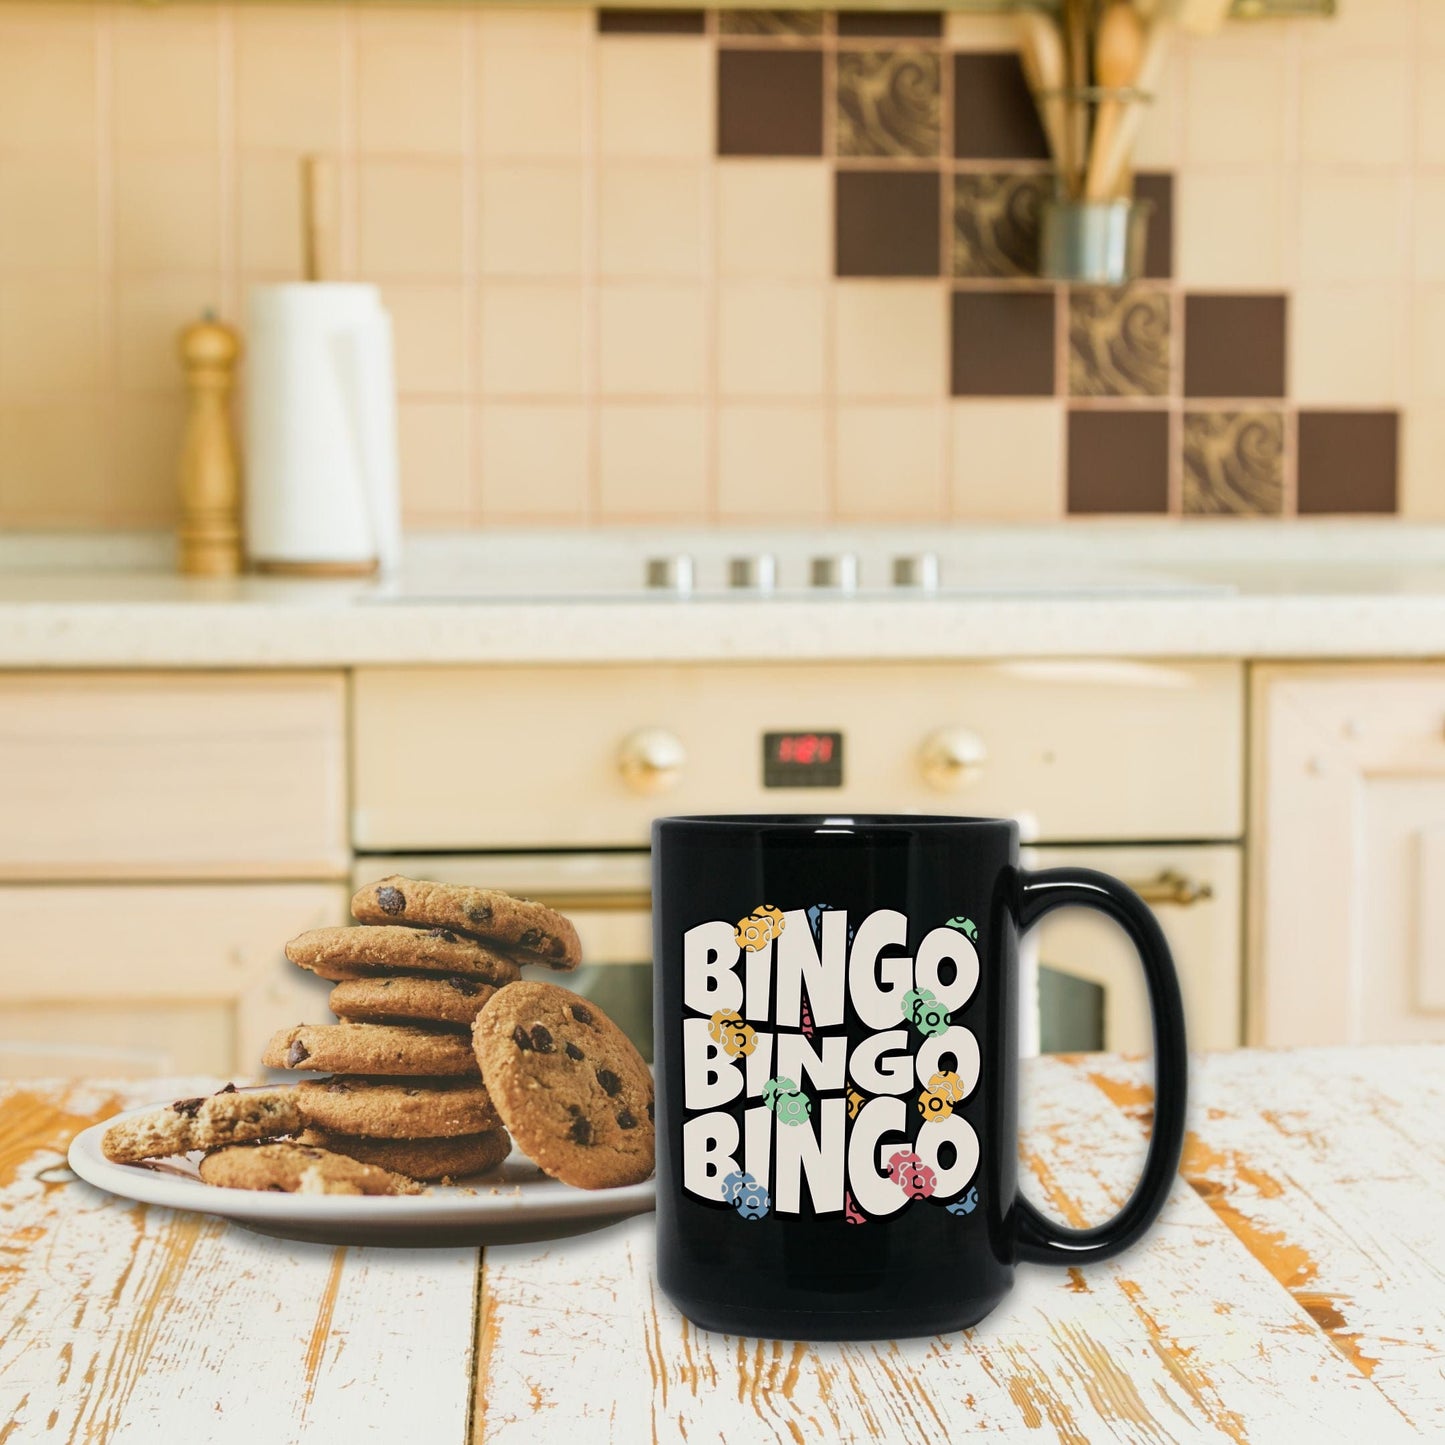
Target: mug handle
[{"x": 1038, "y": 1239}]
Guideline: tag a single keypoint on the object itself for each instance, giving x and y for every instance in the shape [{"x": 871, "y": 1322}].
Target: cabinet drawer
[
  {"x": 181, "y": 776},
  {"x": 188, "y": 976},
  {"x": 465, "y": 758}
]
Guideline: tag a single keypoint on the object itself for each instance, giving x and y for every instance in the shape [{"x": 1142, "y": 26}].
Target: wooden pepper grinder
[{"x": 210, "y": 526}]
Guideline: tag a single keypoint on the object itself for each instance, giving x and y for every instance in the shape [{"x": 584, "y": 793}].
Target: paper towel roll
[{"x": 321, "y": 466}]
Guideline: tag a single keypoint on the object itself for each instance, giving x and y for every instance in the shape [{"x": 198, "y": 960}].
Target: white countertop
[{"x": 1197, "y": 589}]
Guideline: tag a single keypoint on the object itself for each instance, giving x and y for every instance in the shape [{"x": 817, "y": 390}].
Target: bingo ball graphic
[
  {"x": 966, "y": 1205},
  {"x": 752, "y": 1201},
  {"x": 899, "y": 1162},
  {"x": 924, "y": 1011},
  {"x": 851, "y": 1213},
  {"x": 934, "y": 1105},
  {"x": 855, "y": 1102},
  {"x": 916, "y": 1179},
  {"x": 948, "y": 1084},
  {"x": 728, "y": 1029},
  {"x": 759, "y": 928},
  {"x": 965, "y": 926},
  {"x": 733, "y": 1185},
  {"x": 787, "y": 1101}
]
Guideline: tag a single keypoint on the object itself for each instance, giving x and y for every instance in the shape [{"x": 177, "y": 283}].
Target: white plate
[{"x": 514, "y": 1203}]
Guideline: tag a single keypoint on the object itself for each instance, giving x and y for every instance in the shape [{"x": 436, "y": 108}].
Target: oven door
[{"x": 607, "y": 895}]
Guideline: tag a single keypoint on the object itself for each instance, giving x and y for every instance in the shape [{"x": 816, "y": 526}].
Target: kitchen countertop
[
  {"x": 1292, "y": 1290},
  {"x": 1199, "y": 589}
]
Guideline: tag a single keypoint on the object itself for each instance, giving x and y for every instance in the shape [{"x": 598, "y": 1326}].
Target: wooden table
[{"x": 1294, "y": 1291}]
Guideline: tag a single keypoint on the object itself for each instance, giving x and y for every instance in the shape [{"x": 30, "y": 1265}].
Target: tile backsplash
[{"x": 734, "y": 266}]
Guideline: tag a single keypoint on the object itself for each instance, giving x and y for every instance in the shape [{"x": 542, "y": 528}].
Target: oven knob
[
  {"x": 952, "y": 758},
  {"x": 651, "y": 760}
]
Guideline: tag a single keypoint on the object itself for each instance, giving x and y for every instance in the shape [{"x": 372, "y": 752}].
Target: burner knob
[
  {"x": 651, "y": 760},
  {"x": 838, "y": 573},
  {"x": 916, "y": 569},
  {"x": 952, "y": 758},
  {"x": 753, "y": 574},
  {"x": 670, "y": 574}
]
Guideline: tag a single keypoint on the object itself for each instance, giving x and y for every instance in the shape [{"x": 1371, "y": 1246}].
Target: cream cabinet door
[
  {"x": 152, "y": 979},
  {"x": 1347, "y": 896}
]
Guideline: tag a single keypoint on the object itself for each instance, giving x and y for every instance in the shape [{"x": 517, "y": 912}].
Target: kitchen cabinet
[{"x": 1347, "y": 889}]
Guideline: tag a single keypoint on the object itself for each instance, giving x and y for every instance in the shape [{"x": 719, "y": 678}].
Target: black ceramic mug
[{"x": 837, "y": 1071}]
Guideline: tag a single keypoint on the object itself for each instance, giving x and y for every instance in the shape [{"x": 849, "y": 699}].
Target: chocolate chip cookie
[
  {"x": 531, "y": 930},
  {"x": 348, "y": 1048},
  {"x": 299, "y": 1168},
  {"x": 362, "y": 952},
  {"x": 397, "y": 1108},
  {"x": 453, "y": 1002},
  {"x": 233, "y": 1116},
  {"x": 568, "y": 1083},
  {"x": 453, "y": 1158}
]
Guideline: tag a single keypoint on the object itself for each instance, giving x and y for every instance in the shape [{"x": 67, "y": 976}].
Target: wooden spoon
[
  {"x": 1118, "y": 54},
  {"x": 1041, "y": 52}
]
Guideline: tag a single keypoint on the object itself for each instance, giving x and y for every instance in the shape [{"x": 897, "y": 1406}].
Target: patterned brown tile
[
  {"x": 1118, "y": 341},
  {"x": 1233, "y": 463},
  {"x": 993, "y": 113},
  {"x": 1348, "y": 461},
  {"x": 887, "y": 223},
  {"x": 770, "y": 22},
  {"x": 889, "y": 103},
  {"x": 650, "y": 22},
  {"x": 1234, "y": 345},
  {"x": 927, "y": 24},
  {"x": 1118, "y": 461},
  {"x": 1157, "y": 188},
  {"x": 1003, "y": 343},
  {"x": 996, "y": 224},
  {"x": 770, "y": 103}
]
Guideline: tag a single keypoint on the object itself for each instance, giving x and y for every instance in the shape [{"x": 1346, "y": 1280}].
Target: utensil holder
[{"x": 1098, "y": 243}]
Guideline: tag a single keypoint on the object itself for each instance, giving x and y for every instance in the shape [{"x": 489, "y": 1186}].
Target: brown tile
[
  {"x": 925, "y": 23},
  {"x": 1003, "y": 343},
  {"x": 996, "y": 224},
  {"x": 889, "y": 103},
  {"x": 887, "y": 223},
  {"x": 1157, "y": 187},
  {"x": 1118, "y": 461},
  {"x": 1233, "y": 463},
  {"x": 779, "y": 23},
  {"x": 1234, "y": 345},
  {"x": 1118, "y": 341},
  {"x": 770, "y": 103},
  {"x": 1348, "y": 461},
  {"x": 650, "y": 22},
  {"x": 993, "y": 113}
]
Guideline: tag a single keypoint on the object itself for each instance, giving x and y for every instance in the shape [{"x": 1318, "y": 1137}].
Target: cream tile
[
  {"x": 771, "y": 338},
  {"x": 890, "y": 339},
  {"x": 890, "y": 462},
  {"x": 772, "y": 464},
  {"x": 431, "y": 336},
  {"x": 1429, "y": 221},
  {"x": 1359, "y": 25},
  {"x": 147, "y": 441},
  {"x": 1007, "y": 460},
  {"x": 651, "y": 340},
  {"x": 52, "y": 463},
  {"x": 290, "y": 67},
  {"x": 1427, "y": 325},
  {"x": 1159, "y": 146},
  {"x": 1234, "y": 108},
  {"x": 1352, "y": 227},
  {"x": 412, "y": 80},
  {"x": 533, "y": 339},
  {"x": 1430, "y": 109},
  {"x": 1229, "y": 228},
  {"x": 434, "y": 446},
  {"x": 965, "y": 31},
  {"x": 532, "y": 101},
  {"x": 150, "y": 313},
  {"x": 652, "y": 463},
  {"x": 531, "y": 221},
  {"x": 1347, "y": 346},
  {"x": 654, "y": 97},
  {"x": 1422, "y": 463},
  {"x": 532, "y": 25},
  {"x": 165, "y": 77},
  {"x": 650, "y": 220},
  {"x": 268, "y": 213},
  {"x": 49, "y": 214},
  {"x": 48, "y": 84},
  {"x": 411, "y": 220},
  {"x": 167, "y": 213},
  {"x": 52, "y": 331},
  {"x": 1354, "y": 110},
  {"x": 535, "y": 463},
  {"x": 774, "y": 219}
]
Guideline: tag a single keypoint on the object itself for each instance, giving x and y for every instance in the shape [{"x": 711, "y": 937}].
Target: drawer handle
[{"x": 1172, "y": 887}]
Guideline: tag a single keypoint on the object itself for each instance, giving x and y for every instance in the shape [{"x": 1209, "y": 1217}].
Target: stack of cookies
[{"x": 410, "y": 978}]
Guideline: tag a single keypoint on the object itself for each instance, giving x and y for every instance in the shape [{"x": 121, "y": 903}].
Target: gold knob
[
  {"x": 952, "y": 758},
  {"x": 651, "y": 760}
]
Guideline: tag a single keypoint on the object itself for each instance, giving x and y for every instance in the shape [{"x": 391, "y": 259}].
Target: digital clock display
[{"x": 803, "y": 760}]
